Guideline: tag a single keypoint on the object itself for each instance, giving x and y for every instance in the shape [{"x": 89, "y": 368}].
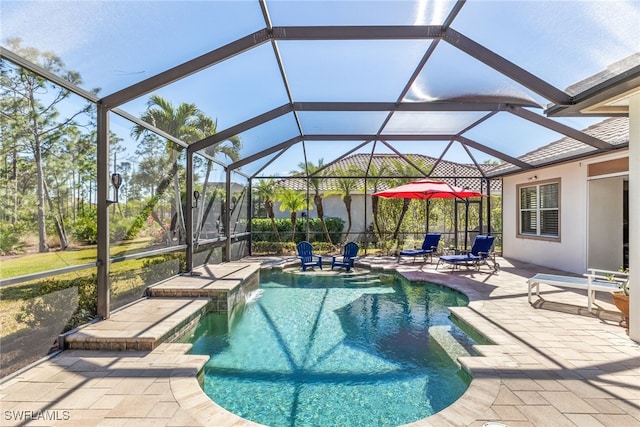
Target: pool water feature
[{"x": 341, "y": 349}]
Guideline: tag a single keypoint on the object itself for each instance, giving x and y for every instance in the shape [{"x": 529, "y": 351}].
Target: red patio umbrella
[{"x": 426, "y": 189}]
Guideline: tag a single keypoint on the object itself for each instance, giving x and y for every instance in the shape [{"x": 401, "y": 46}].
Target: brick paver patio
[{"x": 554, "y": 364}]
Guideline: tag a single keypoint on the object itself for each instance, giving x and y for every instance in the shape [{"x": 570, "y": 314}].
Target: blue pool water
[{"x": 345, "y": 350}]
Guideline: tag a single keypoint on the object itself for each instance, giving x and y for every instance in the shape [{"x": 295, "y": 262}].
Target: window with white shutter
[{"x": 539, "y": 210}]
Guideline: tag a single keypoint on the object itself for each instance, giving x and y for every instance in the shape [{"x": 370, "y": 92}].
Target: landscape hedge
[{"x": 262, "y": 230}]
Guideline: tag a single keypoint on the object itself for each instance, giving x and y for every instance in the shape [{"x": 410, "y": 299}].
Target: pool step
[
  {"x": 442, "y": 335},
  {"x": 172, "y": 307},
  {"x": 363, "y": 279},
  {"x": 375, "y": 282}
]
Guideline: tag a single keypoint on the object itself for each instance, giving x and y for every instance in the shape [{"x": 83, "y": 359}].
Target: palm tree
[
  {"x": 347, "y": 183},
  {"x": 402, "y": 170},
  {"x": 187, "y": 123},
  {"x": 375, "y": 174},
  {"x": 266, "y": 189},
  {"x": 293, "y": 201},
  {"x": 217, "y": 193},
  {"x": 181, "y": 122},
  {"x": 230, "y": 148},
  {"x": 316, "y": 180}
]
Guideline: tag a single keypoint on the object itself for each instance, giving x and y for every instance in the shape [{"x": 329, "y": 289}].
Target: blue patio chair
[
  {"x": 479, "y": 254},
  {"x": 429, "y": 247},
  {"x": 347, "y": 258},
  {"x": 306, "y": 256}
]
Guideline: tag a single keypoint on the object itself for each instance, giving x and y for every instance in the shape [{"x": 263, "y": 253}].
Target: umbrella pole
[
  {"x": 427, "y": 219},
  {"x": 455, "y": 223},
  {"x": 466, "y": 221}
]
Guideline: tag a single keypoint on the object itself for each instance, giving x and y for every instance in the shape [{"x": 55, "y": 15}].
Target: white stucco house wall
[
  {"x": 463, "y": 175},
  {"x": 334, "y": 207},
  {"x": 591, "y": 209}
]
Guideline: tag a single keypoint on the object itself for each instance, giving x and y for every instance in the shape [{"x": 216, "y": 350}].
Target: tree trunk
[
  {"x": 317, "y": 200},
  {"x": 42, "y": 228},
  {"x": 148, "y": 208},
  {"x": 207, "y": 211},
  {"x": 268, "y": 205},
  {"x": 236, "y": 206},
  {"x": 14, "y": 215},
  {"x": 405, "y": 208},
  {"x": 375, "y": 200},
  {"x": 157, "y": 219},
  {"x": 347, "y": 204},
  {"x": 59, "y": 223},
  {"x": 199, "y": 223},
  {"x": 180, "y": 227},
  {"x": 294, "y": 217}
]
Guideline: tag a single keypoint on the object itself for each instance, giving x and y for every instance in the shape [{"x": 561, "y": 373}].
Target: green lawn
[
  {"x": 38, "y": 262},
  {"x": 125, "y": 277}
]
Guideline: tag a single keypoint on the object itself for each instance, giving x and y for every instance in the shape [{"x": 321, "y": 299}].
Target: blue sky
[{"x": 116, "y": 43}]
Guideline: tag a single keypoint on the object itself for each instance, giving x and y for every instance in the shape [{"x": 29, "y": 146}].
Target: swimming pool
[{"x": 322, "y": 350}]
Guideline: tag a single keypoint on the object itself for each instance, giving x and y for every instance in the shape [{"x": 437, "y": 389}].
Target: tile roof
[
  {"x": 460, "y": 174},
  {"x": 611, "y": 71},
  {"x": 614, "y": 130}
]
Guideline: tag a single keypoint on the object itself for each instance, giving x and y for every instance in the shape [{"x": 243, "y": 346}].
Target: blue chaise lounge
[
  {"x": 479, "y": 254},
  {"x": 429, "y": 247}
]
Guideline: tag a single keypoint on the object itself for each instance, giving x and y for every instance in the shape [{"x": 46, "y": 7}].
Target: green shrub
[
  {"x": 161, "y": 267},
  {"x": 335, "y": 226},
  {"x": 134, "y": 226},
  {"x": 273, "y": 248},
  {"x": 323, "y": 248},
  {"x": 120, "y": 229},
  {"x": 287, "y": 248},
  {"x": 67, "y": 303},
  {"x": 10, "y": 237},
  {"x": 86, "y": 229},
  {"x": 262, "y": 230}
]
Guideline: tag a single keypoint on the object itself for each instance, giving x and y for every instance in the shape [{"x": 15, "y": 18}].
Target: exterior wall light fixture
[{"x": 116, "y": 181}]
